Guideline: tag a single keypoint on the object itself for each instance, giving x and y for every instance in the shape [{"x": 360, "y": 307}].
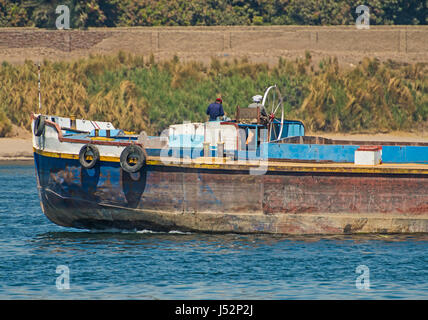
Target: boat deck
[{"x": 272, "y": 165}]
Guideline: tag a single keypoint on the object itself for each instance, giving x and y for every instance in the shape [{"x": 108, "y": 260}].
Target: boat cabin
[{"x": 246, "y": 132}]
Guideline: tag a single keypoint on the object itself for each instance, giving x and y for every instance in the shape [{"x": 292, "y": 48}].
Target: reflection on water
[{"x": 245, "y": 239}]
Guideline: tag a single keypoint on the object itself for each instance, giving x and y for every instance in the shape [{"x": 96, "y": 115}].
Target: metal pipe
[
  {"x": 207, "y": 149},
  {"x": 220, "y": 149},
  {"x": 73, "y": 124},
  {"x": 40, "y": 96}
]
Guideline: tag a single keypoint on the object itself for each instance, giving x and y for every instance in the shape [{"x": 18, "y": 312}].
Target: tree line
[{"x": 124, "y": 13}]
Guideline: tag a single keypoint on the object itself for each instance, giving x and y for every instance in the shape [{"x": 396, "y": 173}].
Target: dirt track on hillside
[{"x": 258, "y": 44}]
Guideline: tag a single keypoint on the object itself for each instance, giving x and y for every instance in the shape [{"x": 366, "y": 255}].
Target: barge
[{"x": 252, "y": 174}]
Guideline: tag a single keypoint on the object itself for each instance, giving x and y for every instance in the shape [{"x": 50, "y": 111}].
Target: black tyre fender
[
  {"x": 89, "y": 150},
  {"x": 132, "y": 158},
  {"x": 39, "y": 126}
]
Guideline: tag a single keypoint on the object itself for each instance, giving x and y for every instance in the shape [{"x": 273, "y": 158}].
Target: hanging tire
[
  {"x": 39, "y": 126},
  {"x": 132, "y": 158},
  {"x": 89, "y": 156}
]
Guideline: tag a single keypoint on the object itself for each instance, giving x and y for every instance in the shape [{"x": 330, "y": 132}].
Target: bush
[
  {"x": 5, "y": 125},
  {"x": 139, "y": 94}
]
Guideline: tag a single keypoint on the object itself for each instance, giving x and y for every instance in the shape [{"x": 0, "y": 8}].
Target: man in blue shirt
[{"x": 215, "y": 110}]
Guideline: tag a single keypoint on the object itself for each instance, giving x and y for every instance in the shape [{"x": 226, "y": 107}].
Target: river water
[{"x": 40, "y": 260}]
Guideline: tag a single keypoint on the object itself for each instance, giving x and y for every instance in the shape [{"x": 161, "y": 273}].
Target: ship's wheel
[{"x": 274, "y": 106}]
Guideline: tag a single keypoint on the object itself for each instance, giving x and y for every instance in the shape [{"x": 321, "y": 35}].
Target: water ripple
[{"x": 114, "y": 264}]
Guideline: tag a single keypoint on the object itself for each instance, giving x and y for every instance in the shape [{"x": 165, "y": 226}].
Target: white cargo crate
[{"x": 368, "y": 155}]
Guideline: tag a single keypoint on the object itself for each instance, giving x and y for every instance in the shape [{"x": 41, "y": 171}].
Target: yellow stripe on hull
[{"x": 71, "y": 156}]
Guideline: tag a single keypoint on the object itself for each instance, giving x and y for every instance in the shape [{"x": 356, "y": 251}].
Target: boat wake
[
  {"x": 144, "y": 231},
  {"x": 164, "y": 232}
]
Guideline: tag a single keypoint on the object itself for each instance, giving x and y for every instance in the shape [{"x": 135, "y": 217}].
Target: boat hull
[{"x": 216, "y": 198}]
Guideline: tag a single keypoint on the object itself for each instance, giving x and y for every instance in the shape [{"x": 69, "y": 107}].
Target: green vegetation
[
  {"x": 137, "y": 93},
  {"x": 110, "y": 13}
]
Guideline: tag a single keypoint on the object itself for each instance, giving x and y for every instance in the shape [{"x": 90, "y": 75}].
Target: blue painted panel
[
  {"x": 342, "y": 153},
  {"x": 393, "y": 154},
  {"x": 247, "y": 155},
  {"x": 103, "y": 133},
  {"x": 310, "y": 152},
  {"x": 103, "y": 183},
  {"x": 177, "y": 141},
  {"x": 417, "y": 154},
  {"x": 404, "y": 154},
  {"x": 290, "y": 129}
]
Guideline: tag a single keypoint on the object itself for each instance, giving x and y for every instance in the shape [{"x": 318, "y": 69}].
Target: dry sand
[
  {"x": 21, "y": 149},
  {"x": 200, "y": 43},
  {"x": 16, "y": 149}
]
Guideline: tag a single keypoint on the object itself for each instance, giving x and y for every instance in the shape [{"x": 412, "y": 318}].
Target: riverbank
[
  {"x": 20, "y": 149},
  {"x": 16, "y": 149}
]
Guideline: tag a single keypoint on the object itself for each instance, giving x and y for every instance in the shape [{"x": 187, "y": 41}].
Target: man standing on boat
[
  {"x": 257, "y": 102},
  {"x": 215, "y": 110}
]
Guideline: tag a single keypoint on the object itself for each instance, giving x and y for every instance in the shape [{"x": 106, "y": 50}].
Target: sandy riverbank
[
  {"x": 19, "y": 149},
  {"x": 15, "y": 149}
]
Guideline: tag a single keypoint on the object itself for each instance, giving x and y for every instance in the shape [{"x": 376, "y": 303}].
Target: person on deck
[
  {"x": 215, "y": 110},
  {"x": 257, "y": 102}
]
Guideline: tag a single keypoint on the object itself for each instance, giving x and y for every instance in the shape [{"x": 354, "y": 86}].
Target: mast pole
[{"x": 40, "y": 96}]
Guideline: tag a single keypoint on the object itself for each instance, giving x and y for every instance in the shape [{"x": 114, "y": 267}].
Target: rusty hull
[{"x": 164, "y": 198}]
